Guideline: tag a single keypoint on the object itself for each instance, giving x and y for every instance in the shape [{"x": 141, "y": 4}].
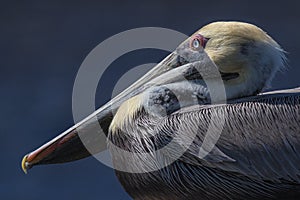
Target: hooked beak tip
[{"x": 25, "y": 165}]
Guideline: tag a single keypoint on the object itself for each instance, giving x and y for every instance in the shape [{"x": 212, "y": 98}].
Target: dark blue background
[{"x": 42, "y": 45}]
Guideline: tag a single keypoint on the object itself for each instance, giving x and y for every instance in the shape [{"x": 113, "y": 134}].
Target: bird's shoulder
[{"x": 259, "y": 135}]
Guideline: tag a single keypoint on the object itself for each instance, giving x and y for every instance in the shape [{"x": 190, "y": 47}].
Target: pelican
[{"x": 256, "y": 154}]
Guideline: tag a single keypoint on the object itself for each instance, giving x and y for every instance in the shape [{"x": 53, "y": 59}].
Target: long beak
[{"x": 70, "y": 145}]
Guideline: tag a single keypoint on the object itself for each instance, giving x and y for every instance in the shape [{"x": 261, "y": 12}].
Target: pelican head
[
  {"x": 245, "y": 56},
  {"x": 245, "y": 49}
]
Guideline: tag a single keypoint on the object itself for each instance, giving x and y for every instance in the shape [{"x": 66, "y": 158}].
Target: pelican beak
[
  {"x": 66, "y": 147},
  {"x": 71, "y": 144}
]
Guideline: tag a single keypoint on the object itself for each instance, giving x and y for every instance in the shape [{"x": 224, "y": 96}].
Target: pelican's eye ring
[{"x": 198, "y": 42}]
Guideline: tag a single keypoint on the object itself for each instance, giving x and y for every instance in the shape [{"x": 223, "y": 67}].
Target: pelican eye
[{"x": 198, "y": 42}]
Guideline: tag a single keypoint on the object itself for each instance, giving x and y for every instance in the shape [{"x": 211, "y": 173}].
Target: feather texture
[{"x": 256, "y": 156}]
